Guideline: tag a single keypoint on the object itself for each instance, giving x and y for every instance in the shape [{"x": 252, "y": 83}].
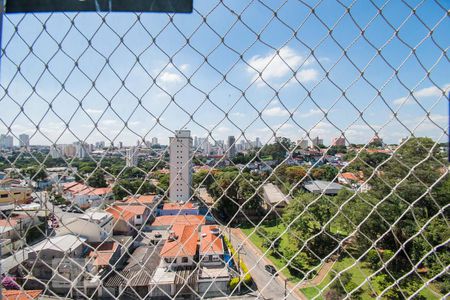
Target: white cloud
[
  {"x": 223, "y": 129},
  {"x": 109, "y": 122},
  {"x": 276, "y": 111},
  {"x": 238, "y": 114},
  {"x": 93, "y": 111},
  {"x": 184, "y": 67},
  {"x": 311, "y": 112},
  {"x": 306, "y": 75},
  {"x": 277, "y": 66},
  {"x": 170, "y": 77},
  {"x": 428, "y": 92}
]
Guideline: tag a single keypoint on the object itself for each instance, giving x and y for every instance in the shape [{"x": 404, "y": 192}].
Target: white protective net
[{"x": 249, "y": 149}]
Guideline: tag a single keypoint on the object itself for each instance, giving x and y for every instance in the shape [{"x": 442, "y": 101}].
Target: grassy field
[
  {"x": 278, "y": 262},
  {"x": 359, "y": 271}
]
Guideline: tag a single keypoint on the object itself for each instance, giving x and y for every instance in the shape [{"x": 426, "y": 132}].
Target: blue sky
[{"x": 259, "y": 53}]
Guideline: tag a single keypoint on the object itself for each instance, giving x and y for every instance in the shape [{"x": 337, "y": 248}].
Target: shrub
[
  {"x": 234, "y": 282},
  {"x": 247, "y": 278}
]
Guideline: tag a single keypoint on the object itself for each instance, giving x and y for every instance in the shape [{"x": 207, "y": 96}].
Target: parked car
[{"x": 270, "y": 269}]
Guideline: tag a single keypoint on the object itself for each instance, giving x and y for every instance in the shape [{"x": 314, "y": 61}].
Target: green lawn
[
  {"x": 278, "y": 262},
  {"x": 359, "y": 273}
]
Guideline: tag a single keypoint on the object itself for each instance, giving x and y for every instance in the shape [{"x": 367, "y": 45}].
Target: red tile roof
[
  {"x": 77, "y": 188},
  {"x": 21, "y": 294},
  {"x": 103, "y": 253},
  {"x": 209, "y": 242},
  {"x": 185, "y": 243},
  {"x": 126, "y": 212},
  {"x": 178, "y": 206},
  {"x": 349, "y": 176},
  {"x": 143, "y": 199},
  {"x": 179, "y": 219}
]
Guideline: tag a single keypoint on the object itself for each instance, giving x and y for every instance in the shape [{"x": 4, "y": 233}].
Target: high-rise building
[
  {"x": 315, "y": 142},
  {"x": 258, "y": 143},
  {"x": 206, "y": 146},
  {"x": 56, "y": 151},
  {"x": 81, "y": 149},
  {"x": 69, "y": 150},
  {"x": 180, "y": 149},
  {"x": 120, "y": 145},
  {"x": 195, "y": 142},
  {"x": 131, "y": 159},
  {"x": 231, "y": 146},
  {"x": 99, "y": 145},
  {"x": 6, "y": 141},
  {"x": 302, "y": 144},
  {"x": 24, "y": 140},
  {"x": 155, "y": 141},
  {"x": 339, "y": 141}
]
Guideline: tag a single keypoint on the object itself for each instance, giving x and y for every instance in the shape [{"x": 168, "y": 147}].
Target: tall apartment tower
[
  {"x": 24, "y": 141},
  {"x": 81, "y": 149},
  {"x": 231, "y": 146},
  {"x": 131, "y": 159},
  {"x": 339, "y": 141},
  {"x": 180, "y": 150}
]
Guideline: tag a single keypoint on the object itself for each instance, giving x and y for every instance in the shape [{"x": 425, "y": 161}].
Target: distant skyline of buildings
[{"x": 201, "y": 145}]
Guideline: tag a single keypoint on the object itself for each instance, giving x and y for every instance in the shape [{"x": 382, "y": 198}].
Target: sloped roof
[
  {"x": 185, "y": 243},
  {"x": 103, "y": 252},
  {"x": 21, "y": 294},
  {"x": 178, "y": 206},
  {"x": 126, "y": 212},
  {"x": 349, "y": 176},
  {"x": 77, "y": 188},
  {"x": 209, "y": 242},
  {"x": 142, "y": 199},
  {"x": 59, "y": 243},
  {"x": 179, "y": 219}
]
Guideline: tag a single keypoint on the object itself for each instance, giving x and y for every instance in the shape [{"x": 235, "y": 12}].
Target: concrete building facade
[{"x": 180, "y": 166}]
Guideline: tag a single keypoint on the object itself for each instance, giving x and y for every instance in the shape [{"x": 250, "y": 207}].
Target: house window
[
  {"x": 184, "y": 260},
  {"x": 168, "y": 260}
]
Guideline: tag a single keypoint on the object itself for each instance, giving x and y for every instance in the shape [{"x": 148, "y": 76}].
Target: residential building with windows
[
  {"x": 24, "y": 141},
  {"x": 180, "y": 247},
  {"x": 231, "y": 143},
  {"x": 180, "y": 149},
  {"x": 339, "y": 141}
]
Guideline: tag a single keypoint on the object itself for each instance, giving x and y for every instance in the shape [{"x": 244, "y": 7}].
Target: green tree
[
  {"x": 97, "y": 179},
  {"x": 35, "y": 173},
  {"x": 125, "y": 188}
]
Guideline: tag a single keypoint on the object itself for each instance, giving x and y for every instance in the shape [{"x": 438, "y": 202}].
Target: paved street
[{"x": 268, "y": 287}]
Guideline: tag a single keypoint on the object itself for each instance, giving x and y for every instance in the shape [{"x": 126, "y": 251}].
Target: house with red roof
[
  {"x": 167, "y": 221},
  {"x": 180, "y": 247},
  {"x": 179, "y": 208},
  {"x": 211, "y": 251},
  {"x": 85, "y": 196},
  {"x": 347, "y": 178},
  {"x": 128, "y": 218},
  {"x": 21, "y": 294}
]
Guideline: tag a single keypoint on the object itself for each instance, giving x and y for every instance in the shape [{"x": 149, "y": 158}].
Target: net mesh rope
[{"x": 244, "y": 69}]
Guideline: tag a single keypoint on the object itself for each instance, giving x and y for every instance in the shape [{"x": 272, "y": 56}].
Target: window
[{"x": 184, "y": 260}]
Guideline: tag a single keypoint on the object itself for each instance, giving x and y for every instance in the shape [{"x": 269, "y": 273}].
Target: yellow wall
[{"x": 15, "y": 195}]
